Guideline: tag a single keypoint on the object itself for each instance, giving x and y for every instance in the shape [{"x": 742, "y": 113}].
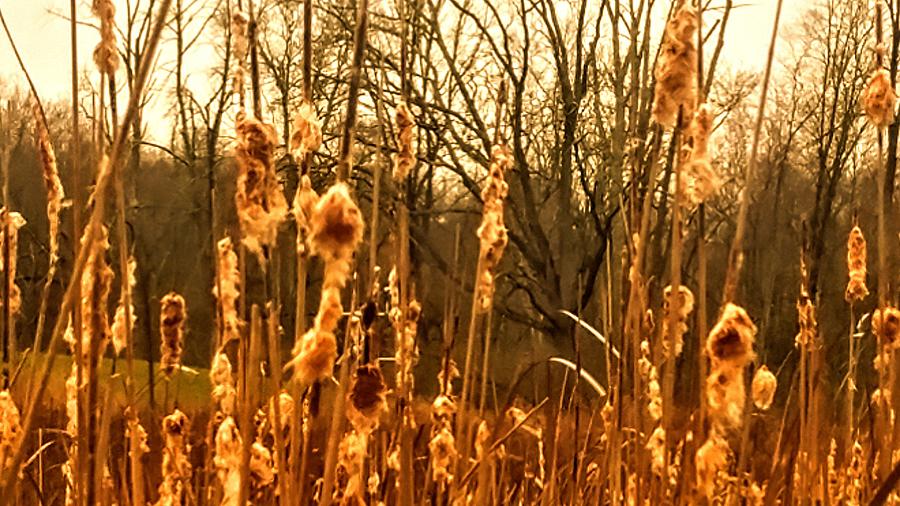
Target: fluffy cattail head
[
  {"x": 731, "y": 340},
  {"x": 307, "y": 135},
  {"x": 676, "y": 67},
  {"x": 50, "y": 173},
  {"x": 227, "y": 461},
  {"x": 172, "y": 316},
  {"x": 228, "y": 280},
  {"x": 121, "y": 322},
  {"x": 260, "y": 204},
  {"x": 11, "y": 222},
  {"x": 240, "y": 43},
  {"x": 856, "y": 266},
  {"x": 106, "y": 56},
  {"x": 886, "y": 325},
  {"x": 492, "y": 233},
  {"x": 367, "y": 397},
  {"x": 443, "y": 454},
  {"x": 176, "y": 468},
  {"x": 763, "y": 388},
  {"x": 10, "y": 428},
  {"x": 685, "y": 304},
  {"x": 405, "y": 159},
  {"x": 879, "y": 100},
  {"x": 336, "y": 228},
  {"x": 712, "y": 458},
  {"x": 699, "y": 179},
  {"x": 223, "y": 391}
]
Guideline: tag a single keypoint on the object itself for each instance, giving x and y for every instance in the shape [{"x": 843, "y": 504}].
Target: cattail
[
  {"x": 119, "y": 330},
  {"x": 730, "y": 348},
  {"x": 96, "y": 282},
  {"x": 676, "y": 67},
  {"x": 352, "y": 453},
  {"x": 879, "y": 99},
  {"x": 9, "y": 239},
  {"x": 240, "y": 44},
  {"x": 856, "y": 266},
  {"x": 261, "y": 206},
  {"x": 699, "y": 179},
  {"x": 262, "y": 466},
  {"x": 407, "y": 353},
  {"x": 305, "y": 200},
  {"x": 685, "y": 306},
  {"x": 10, "y": 428},
  {"x": 763, "y": 388},
  {"x": 336, "y": 229},
  {"x": 285, "y": 409},
  {"x": 367, "y": 398},
  {"x": 228, "y": 280},
  {"x": 712, "y": 458},
  {"x": 650, "y": 376},
  {"x": 135, "y": 432},
  {"x": 405, "y": 159},
  {"x": 657, "y": 447},
  {"x": 106, "y": 56},
  {"x": 307, "y": 135},
  {"x": 176, "y": 468},
  {"x": 854, "y": 475},
  {"x": 50, "y": 172},
  {"x": 886, "y": 325},
  {"x": 443, "y": 454},
  {"x": 227, "y": 461},
  {"x": 172, "y": 315},
  {"x": 492, "y": 233},
  {"x": 223, "y": 391}
]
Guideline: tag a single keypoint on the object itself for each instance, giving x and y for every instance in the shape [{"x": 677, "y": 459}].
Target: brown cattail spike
[
  {"x": 856, "y": 266},
  {"x": 879, "y": 100},
  {"x": 763, "y": 388},
  {"x": 676, "y": 67},
  {"x": 307, "y": 135},
  {"x": 172, "y": 316},
  {"x": 492, "y": 233},
  {"x": 176, "y": 468},
  {"x": 405, "y": 159},
  {"x": 336, "y": 229},
  {"x": 106, "y": 56},
  {"x": 227, "y": 291},
  {"x": 261, "y": 206},
  {"x": 700, "y": 181}
]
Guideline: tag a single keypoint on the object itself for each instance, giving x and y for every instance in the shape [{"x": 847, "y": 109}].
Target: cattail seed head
[
  {"x": 684, "y": 307},
  {"x": 699, "y": 179},
  {"x": 227, "y": 461},
  {"x": 222, "y": 381},
  {"x": 730, "y": 342},
  {"x": 763, "y": 388},
  {"x": 443, "y": 454},
  {"x": 9, "y": 241},
  {"x": 240, "y": 44},
  {"x": 172, "y": 316},
  {"x": 676, "y": 68},
  {"x": 367, "y": 397},
  {"x": 119, "y": 329},
  {"x": 261, "y": 206},
  {"x": 106, "y": 56},
  {"x": 886, "y": 325},
  {"x": 307, "y": 135},
  {"x": 492, "y": 233},
  {"x": 405, "y": 159},
  {"x": 336, "y": 227},
  {"x": 879, "y": 100},
  {"x": 176, "y": 468},
  {"x": 856, "y": 266},
  {"x": 712, "y": 458},
  {"x": 50, "y": 173},
  {"x": 228, "y": 280},
  {"x": 10, "y": 427}
]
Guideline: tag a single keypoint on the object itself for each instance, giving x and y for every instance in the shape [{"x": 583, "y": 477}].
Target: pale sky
[{"x": 43, "y": 40}]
